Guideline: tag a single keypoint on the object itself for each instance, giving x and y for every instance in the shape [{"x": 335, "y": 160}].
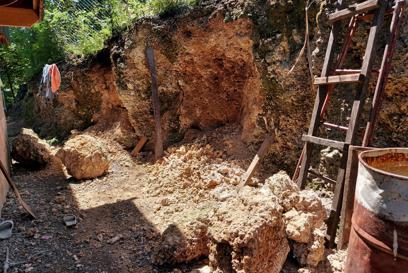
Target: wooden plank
[
  {"x": 158, "y": 144},
  {"x": 348, "y": 195},
  {"x": 334, "y": 216},
  {"x": 259, "y": 155},
  {"x": 139, "y": 146},
  {"x": 335, "y": 126},
  {"x": 323, "y": 141},
  {"x": 325, "y": 178},
  {"x": 353, "y": 9},
  {"x": 4, "y": 156},
  {"x": 347, "y": 71},
  {"x": 10, "y": 16},
  {"x": 353, "y": 71},
  {"x": 305, "y": 158},
  {"x": 349, "y": 78}
]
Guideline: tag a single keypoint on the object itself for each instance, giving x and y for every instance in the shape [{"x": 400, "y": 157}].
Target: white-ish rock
[
  {"x": 29, "y": 150},
  {"x": 84, "y": 157}
]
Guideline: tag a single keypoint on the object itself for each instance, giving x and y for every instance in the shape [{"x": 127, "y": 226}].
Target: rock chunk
[
  {"x": 312, "y": 253},
  {"x": 182, "y": 243},
  {"x": 304, "y": 217},
  {"x": 247, "y": 235},
  {"x": 29, "y": 150},
  {"x": 84, "y": 157},
  {"x": 298, "y": 226},
  {"x": 284, "y": 188}
]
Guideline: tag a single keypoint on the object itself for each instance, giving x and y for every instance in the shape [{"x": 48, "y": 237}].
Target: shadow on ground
[{"x": 110, "y": 238}]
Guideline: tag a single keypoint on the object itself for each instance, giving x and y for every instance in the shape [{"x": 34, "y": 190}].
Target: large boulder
[
  {"x": 29, "y": 150},
  {"x": 84, "y": 157}
]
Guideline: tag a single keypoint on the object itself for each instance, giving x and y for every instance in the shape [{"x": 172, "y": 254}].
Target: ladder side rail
[
  {"x": 355, "y": 118},
  {"x": 384, "y": 71}
]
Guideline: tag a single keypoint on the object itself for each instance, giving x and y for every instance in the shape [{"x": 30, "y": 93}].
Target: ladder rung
[
  {"x": 335, "y": 126},
  {"x": 353, "y": 9},
  {"x": 323, "y": 141},
  {"x": 319, "y": 175},
  {"x": 353, "y": 71},
  {"x": 350, "y": 78},
  {"x": 369, "y": 17}
]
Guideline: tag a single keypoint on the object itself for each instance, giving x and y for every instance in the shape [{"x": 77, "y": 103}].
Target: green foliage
[
  {"x": 83, "y": 26},
  {"x": 24, "y": 57},
  {"x": 167, "y": 8},
  {"x": 72, "y": 27}
]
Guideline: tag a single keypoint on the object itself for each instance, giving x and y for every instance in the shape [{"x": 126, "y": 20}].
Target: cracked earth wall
[{"x": 224, "y": 62}]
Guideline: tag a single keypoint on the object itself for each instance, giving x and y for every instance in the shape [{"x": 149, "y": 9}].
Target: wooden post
[
  {"x": 259, "y": 155},
  {"x": 4, "y": 155},
  {"x": 158, "y": 145},
  {"x": 139, "y": 146},
  {"x": 348, "y": 194}
]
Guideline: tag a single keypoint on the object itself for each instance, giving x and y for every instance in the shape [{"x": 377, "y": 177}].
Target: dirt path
[{"x": 121, "y": 215}]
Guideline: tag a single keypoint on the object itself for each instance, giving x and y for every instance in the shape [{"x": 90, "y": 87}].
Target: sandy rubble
[
  {"x": 195, "y": 210},
  {"x": 194, "y": 201}
]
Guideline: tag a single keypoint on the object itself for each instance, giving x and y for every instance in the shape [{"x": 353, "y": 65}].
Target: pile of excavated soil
[{"x": 169, "y": 216}]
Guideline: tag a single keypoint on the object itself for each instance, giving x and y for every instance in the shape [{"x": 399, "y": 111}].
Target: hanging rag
[
  {"x": 50, "y": 81},
  {"x": 55, "y": 78},
  {"x": 45, "y": 83}
]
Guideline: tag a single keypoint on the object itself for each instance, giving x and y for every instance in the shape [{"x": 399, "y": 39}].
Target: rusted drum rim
[
  {"x": 382, "y": 192},
  {"x": 380, "y": 152}
]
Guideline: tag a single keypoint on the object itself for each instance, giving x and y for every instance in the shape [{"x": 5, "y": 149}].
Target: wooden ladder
[{"x": 333, "y": 74}]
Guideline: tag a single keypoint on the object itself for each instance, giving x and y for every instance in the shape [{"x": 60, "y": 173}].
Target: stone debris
[
  {"x": 252, "y": 222},
  {"x": 84, "y": 157},
  {"x": 29, "y": 150},
  {"x": 311, "y": 253},
  {"x": 299, "y": 226},
  {"x": 263, "y": 220},
  {"x": 304, "y": 217},
  {"x": 182, "y": 243}
]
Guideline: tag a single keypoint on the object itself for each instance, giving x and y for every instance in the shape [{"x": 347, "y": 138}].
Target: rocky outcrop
[
  {"x": 202, "y": 68},
  {"x": 220, "y": 63},
  {"x": 29, "y": 150},
  {"x": 87, "y": 100},
  {"x": 84, "y": 156}
]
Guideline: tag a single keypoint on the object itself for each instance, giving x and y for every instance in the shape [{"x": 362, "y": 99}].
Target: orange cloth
[{"x": 55, "y": 78}]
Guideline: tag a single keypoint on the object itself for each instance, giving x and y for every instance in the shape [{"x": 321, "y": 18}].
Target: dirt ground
[{"x": 124, "y": 215}]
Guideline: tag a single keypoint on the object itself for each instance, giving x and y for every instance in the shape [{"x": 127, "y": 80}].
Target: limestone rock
[
  {"x": 311, "y": 254},
  {"x": 84, "y": 157},
  {"x": 182, "y": 243},
  {"x": 304, "y": 217},
  {"x": 298, "y": 226},
  {"x": 29, "y": 150},
  {"x": 251, "y": 222},
  {"x": 310, "y": 202},
  {"x": 284, "y": 188}
]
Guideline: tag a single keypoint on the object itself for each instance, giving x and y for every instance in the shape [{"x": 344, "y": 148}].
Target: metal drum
[{"x": 379, "y": 235}]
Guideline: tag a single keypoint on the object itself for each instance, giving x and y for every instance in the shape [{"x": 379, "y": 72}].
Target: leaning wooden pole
[
  {"x": 158, "y": 146},
  {"x": 15, "y": 190}
]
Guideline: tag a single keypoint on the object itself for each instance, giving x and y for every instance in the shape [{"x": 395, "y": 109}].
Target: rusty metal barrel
[{"x": 379, "y": 235}]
